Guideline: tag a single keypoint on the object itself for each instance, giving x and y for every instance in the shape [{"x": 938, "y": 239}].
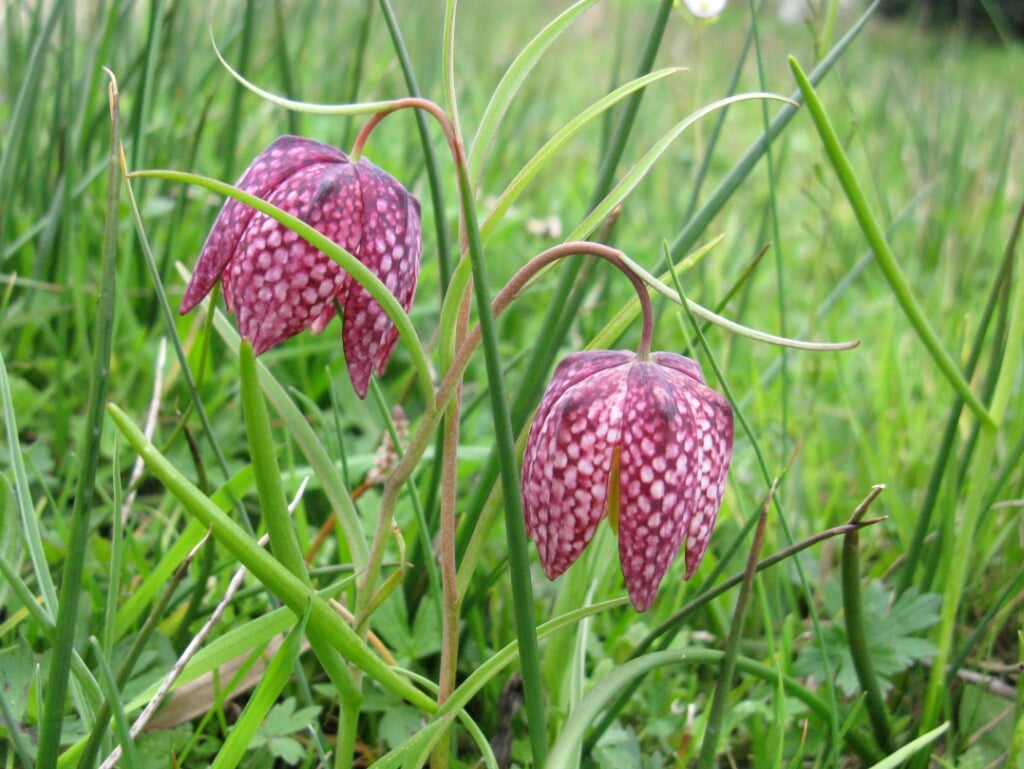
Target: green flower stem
[
  {"x": 285, "y": 544},
  {"x": 883, "y": 254},
  {"x": 856, "y": 632},
  {"x": 515, "y": 525},
  {"x": 727, "y": 669},
  {"x": 52, "y": 716},
  {"x": 323, "y": 620}
]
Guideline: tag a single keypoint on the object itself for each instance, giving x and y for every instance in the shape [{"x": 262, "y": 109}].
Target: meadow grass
[{"x": 898, "y": 641}]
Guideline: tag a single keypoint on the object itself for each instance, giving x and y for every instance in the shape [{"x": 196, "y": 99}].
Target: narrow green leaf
[
  {"x": 108, "y": 684},
  {"x": 415, "y": 749},
  {"x": 504, "y": 438},
  {"x": 146, "y": 591},
  {"x": 311, "y": 446},
  {"x": 534, "y": 165},
  {"x": 365, "y": 108},
  {"x": 883, "y": 254},
  {"x": 899, "y": 757},
  {"x": 698, "y": 222},
  {"x": 276, "y": 677},
  {"x": 237, "y": 642},
  {"x": 636, "y": 174},
  {"x": 274, "y": 576},
  {"x": 23, "y": 498},
  {"x": 512, "y": 81}
]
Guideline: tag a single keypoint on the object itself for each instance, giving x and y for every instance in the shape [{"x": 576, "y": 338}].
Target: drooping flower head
[
  {"x": 641, "y": 440},
  {"x": 278, "y": 285}
]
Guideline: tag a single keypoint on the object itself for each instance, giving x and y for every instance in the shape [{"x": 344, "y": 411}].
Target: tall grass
[{"x": 857, "y": 639}]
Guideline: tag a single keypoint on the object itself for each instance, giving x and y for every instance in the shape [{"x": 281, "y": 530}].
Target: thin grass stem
[
  {"x": 727, "y": 668},
  {"x": 52, "y": 717}
]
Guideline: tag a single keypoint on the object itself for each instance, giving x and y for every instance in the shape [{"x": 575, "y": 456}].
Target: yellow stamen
[{"x": 613, "y": 492}]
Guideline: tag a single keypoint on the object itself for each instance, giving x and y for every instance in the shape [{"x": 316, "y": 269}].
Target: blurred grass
[{"x": 931, "y": 124}]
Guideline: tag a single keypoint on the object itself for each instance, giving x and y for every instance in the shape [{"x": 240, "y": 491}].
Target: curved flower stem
[
  {"x": 519, "y": 566},
  {"x": 410, "y": 102},
  {"x": 402, "y": 472},
  {"x": 527, "y": 272}
]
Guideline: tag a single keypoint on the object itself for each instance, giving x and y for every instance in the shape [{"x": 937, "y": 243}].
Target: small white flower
[{"x": 705, "y": 9}]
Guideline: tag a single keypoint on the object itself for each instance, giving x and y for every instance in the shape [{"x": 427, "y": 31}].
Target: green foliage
[
  {"x": 895, "y": 623},
  {"x": 929, "y": 127},
  {"x": 276, "y": 737}
]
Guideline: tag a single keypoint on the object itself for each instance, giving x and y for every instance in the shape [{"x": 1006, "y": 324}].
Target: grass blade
[
  {"x": 23, "y": 498},
  {"x": 697, "y": 223},
  {"x": 636, "y": 174},
  {"x": 912, "y": 748},
  {"x": 278, "y": 673},
  {"x": 51, "y": 724},
  {"x": 286, "y": 586},
  {"x": 512, "y": 81},
  {"x": 533, "y": 166},
  {"x": 883, "y": 254},
  {"x": 111, "y": 691}
]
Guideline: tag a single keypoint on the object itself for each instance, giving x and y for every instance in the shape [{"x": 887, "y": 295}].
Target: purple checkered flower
[
  {"x": 277, "y": 284},
  {"x": 642, "y": 440}
]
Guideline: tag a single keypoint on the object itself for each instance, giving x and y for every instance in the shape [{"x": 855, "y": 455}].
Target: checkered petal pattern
[
  {"x": 278, "y": 285},
  {"x": 649, "y": 431}
]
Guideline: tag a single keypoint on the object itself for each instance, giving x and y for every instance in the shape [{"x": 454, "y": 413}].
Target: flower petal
[
  {"x": 569, "y": 455},
  {"x": 283, "y": 158},
  {"x": 676, "y": 446},
  {"x": 391, "y": 247},
  {"x": 654, "y": 472},
  {"x": 712, "y": 452},
  {"x": 278, "y": 284}
]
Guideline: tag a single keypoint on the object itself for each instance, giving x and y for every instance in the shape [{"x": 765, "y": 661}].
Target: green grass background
[{"x": 932, "y": 125}]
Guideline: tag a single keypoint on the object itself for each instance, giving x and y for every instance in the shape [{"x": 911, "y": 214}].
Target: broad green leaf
[{"x": 893, "y": 646}]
